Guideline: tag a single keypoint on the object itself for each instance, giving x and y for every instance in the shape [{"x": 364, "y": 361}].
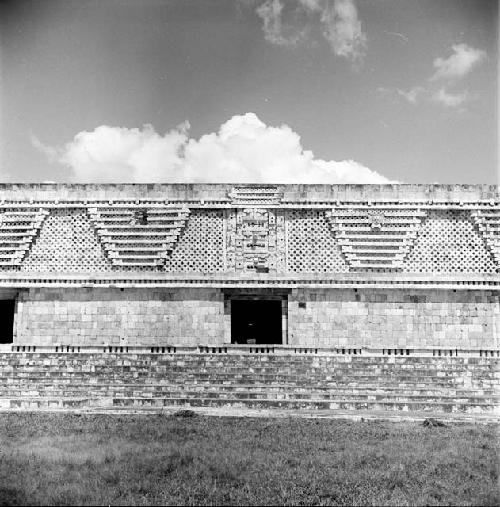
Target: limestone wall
[
  {"x": 119, "y": 317},
  {"x": 416, "y": 319},
  {"x": 353, "y": 318}
]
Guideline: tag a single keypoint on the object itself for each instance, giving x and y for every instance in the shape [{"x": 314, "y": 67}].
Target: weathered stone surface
[
  {"x": 354, "y": 318},
  {"x": 248, "y": 230},
  {"x": 448, "y": 384},
  {"x": 394, "y": 318},
  {"x": 389, "y": 270},
  {"x": 120, "y": 317}
]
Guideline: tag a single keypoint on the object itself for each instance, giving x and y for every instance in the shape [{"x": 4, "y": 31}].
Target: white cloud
[
  {"x": 342, "y": 29},
  {"x": 413, "y": 94},
  {"x": 243, "y": 150},
  {"x": 270, "y": 13},
  {"x": 460, "y": 63},
  {"x": 442, "y": 96},
  {"x": 401, "y": 36},
  {"x": 448, "y": 72},
  {"x": 450, "y": 99},
  {"x": 50, "y": 152},
  {"x": 121, "y": 154},
  {"x": 338, "y": 18},
  {"x": 312, "y": 5}
]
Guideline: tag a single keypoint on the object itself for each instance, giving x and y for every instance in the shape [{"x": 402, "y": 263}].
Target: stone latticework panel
[
  {"x": 200, "y": 248},
  {"x": 311, "y": 247},
  {"x": 450, "y": 242},
  {"x": 375, "y": 238},
  {"x": 18, "y": 230},
  {"x": 141, "y": 237},
  {"x": 67, "y": 243}
]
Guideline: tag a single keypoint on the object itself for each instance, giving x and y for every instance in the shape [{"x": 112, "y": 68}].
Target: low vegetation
[{"x": 151, "y": 459}]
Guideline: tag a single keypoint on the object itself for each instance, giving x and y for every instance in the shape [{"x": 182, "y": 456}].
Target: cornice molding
[
  {"x": 220, "y": 204},
  {"x": 430, "y": 281}
]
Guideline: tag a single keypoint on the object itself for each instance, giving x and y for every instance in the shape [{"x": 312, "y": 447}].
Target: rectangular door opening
[
  {"x": 256, "y": 321},
  {"x": 7, "y": 308}
]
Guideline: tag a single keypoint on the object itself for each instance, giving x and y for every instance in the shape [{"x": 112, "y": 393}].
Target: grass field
[{"x": 157, "y": 459}]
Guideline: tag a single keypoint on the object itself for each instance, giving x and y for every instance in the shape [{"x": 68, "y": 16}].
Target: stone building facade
[{"x": 382, "y": 268}]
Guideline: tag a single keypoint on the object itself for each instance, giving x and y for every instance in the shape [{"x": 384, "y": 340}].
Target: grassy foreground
[{"x": 109, "y": 459}]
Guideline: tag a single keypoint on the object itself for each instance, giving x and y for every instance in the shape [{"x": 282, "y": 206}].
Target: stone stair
[{"x": 262, "y": 381}]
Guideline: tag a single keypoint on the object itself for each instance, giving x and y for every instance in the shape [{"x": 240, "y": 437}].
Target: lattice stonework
[
  {"x": 67, "y": 243},
  {"x": 311, "y": 247},
  {"x": 375, "y": 238},
  {"x": 488, "y": 222},
  {"x": 139, "y": 237},
  {"x": 449, "y": 242},
  {"x": 200, "y": 248},
  {"x": 18, "y": 229}
]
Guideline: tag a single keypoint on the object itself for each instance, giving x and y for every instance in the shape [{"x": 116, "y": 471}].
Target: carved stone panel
[{"x": 256, "y": 240}]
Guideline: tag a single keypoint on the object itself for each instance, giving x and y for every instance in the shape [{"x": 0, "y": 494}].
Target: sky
[{"x": 273, "y": 91}]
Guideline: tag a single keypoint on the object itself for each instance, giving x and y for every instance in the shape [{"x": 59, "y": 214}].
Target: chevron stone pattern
[
  {"x": 488, "y": 222},
  {"x": 139, "y": 236},
  {"x": 375, "y": 238},
  {"x": 18, "y": 228}
]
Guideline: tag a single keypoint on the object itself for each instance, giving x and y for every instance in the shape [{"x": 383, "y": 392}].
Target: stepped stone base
[{"x": 308, "y": 382}]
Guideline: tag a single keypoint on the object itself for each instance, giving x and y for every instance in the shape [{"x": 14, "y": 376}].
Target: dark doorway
[
  {"x": 256, "y": 321},
  {"x": 6, "y": 320}
]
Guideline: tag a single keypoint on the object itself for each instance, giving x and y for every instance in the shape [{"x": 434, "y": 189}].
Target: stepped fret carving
[
  {"x": 374, "y": 238},
  {"x": 139, "y": 236},
  {"x": 17, "y": 232},
  {"x": 255, "y": 195},
  {"x": 488, "y": 222}
]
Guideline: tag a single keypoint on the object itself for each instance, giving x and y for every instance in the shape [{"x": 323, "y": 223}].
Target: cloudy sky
[{"x": 328, "y": 91}]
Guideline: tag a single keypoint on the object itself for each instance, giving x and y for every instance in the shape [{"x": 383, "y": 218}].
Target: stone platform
[{"x": 264, "y": 381}]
